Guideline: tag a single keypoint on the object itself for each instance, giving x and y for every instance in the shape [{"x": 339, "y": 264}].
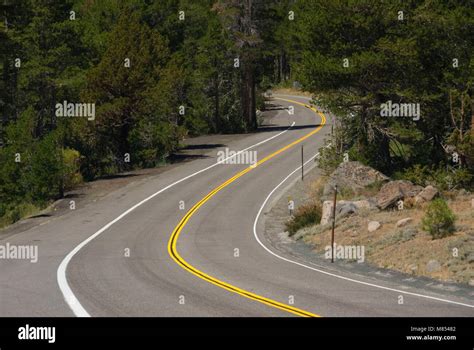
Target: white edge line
[
  {"x": 325, "y": 272},
  {"x": 68, "y": 295}
]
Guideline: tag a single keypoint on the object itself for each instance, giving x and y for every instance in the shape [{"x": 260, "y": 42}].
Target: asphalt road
[{"x": 204, "y": 260}]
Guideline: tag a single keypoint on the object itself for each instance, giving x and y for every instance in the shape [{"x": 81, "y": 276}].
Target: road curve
[{"x": 127, "y": 270}]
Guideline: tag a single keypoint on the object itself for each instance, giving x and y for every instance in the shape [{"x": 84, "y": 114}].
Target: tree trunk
[
  {"x": 253, "y": 111},
  {"x": 216, "y": 102}
]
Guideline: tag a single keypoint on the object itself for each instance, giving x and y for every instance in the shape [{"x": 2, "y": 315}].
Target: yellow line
[{"x": 172, "y": 243}]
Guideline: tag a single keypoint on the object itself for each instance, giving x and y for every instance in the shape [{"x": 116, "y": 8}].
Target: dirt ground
[{"x": 407, "y": 249}]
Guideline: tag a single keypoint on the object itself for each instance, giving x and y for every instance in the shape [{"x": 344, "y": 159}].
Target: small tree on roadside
[{"x": 439, "y": 219}]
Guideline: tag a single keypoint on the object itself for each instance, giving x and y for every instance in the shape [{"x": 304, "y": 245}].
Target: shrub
[
  {"x": 444, "y": 179},
  {"x": 329, "y": 159},
  {"x": 305, "y": 215},
  {"x": 439, "y": 219},
  {"x": 45, "y": 170},
  {"x": 71, "y": 168}
]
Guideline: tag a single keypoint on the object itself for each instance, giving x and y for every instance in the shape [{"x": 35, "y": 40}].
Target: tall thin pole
[
  {"x": 333, "y": 223},
  {"x": 302, "y": 163}
]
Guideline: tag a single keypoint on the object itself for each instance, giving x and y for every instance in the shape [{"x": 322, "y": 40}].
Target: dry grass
[{"x": 408, "y": 249}]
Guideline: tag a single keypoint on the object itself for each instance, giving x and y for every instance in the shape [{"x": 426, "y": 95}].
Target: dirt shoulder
[
  {"x": 396, "y": 255},
  {"x": 407, "y": 249}
]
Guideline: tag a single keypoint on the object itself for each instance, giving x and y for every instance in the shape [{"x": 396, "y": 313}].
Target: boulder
[
  {"x": 388, "y": 197},
  {"x": 393, "y": 191},
  {"x": 326, "y": 212},
  {"x": 403, "y": 222},
  {"x": 427, "y": 194},
  {"x": 352, "y": 176},
  {"x": 373, "y": 226},
  {"x": 343, "y": 208}
]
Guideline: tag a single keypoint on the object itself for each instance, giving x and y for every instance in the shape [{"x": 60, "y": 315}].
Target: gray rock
[
  {"x": 343, "y": 209},
  {"x": 427, "y": 194},
  {"x": 433, "y": 266},
  {"x": 389, "y": 198},
  {"x": 403, "y": 222},
  {"x": 373, "y": 226},
  {"x": 393, "y": 191},
  {"x": 352, "y": 176},
  {"x": 326, "y": 212}
]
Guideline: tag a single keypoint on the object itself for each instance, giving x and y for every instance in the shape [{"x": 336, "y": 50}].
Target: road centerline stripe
[
  {"x": 68, "y": 295},
  {"x": 172, "y": 243}
]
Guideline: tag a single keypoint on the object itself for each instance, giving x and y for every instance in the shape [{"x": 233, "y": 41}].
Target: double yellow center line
[{"x": 172, "y": 243}]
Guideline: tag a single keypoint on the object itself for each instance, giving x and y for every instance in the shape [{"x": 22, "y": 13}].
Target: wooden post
[
  {"x": 333, "y": 223},
  {"x": 302, "y": 163}
]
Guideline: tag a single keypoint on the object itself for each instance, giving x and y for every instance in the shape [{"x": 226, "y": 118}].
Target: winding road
[{"x": 189, "y": 242}]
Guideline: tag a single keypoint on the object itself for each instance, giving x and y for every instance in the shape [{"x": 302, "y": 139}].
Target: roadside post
[
  {"x": 333, "y": 223},
  {"x": 302, "y": 163}
]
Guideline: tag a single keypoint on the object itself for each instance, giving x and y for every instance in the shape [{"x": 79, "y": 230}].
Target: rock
[
  {"x": 343, "y": 208},
  {"x": 413, "y": 268},
  {"x": 388, "y": 198},
  {"x": 427, "y": 194},
  {"x": 403, "y": 222},
  {"x": 393, "y": 191},
  {"x": 352, "y": 176},
  {"x": 433, "y": 266},
  {"x": 326, "y": 212},
  {"x": 364, "y": 204},
  {"x": 471, "y": 282},
  {"x": 373, "y": 226}
]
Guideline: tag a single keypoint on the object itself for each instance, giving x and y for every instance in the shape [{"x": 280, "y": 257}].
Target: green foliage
[
  {"x": 150, "y": 142},
  {"x": 44, "y": 171},
  {"x": 190, "y": 63},
  {"x": 444, "y": 178},
  {"x": 329, "y": 159},
  {"x": 12, "y": 215},
  {"x": 123, "y": 94},
  {"x": 305, "y": 215},
  {"x": 407, "y": 61},
  {"x": 71, "y": 169},
  {"x": 439, "y": 219}
]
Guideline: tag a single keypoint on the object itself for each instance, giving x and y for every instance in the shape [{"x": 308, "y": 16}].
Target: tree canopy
[{"x": 158, "y": 71}]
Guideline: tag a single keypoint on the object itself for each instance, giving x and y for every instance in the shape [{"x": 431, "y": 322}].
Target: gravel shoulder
[{"x": 305, "y": 251}]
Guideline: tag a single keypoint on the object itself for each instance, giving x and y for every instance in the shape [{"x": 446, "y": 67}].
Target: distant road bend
[{"x": 138, "y": 252}]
